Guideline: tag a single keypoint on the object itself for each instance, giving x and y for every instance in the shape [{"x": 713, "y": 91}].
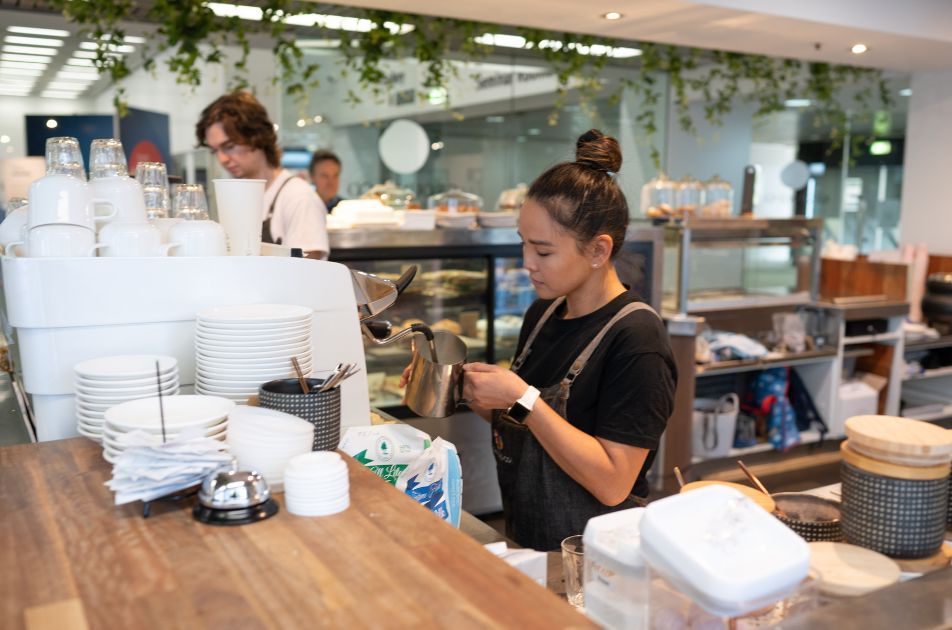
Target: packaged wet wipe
[
  {"x": 436, "y": 481},
  {"x": 386, "y": 449}
]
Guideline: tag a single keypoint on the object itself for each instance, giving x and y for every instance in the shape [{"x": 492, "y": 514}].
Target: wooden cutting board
[
  {"x": 757, "y": 496},
  {"x": 901, "y": 436},
  {"x": 847, "y": 570},
  {"x": 889, "y": 469}
]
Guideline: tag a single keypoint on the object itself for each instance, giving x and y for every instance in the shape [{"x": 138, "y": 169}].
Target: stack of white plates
[
  {"x": 499, "y": 219},
  {"x": 237, "y": 348},
  {"x": 316, "y": 484},
  {"x": 201, "y": 415},
  {"x": 265, "y": 440},
  {"x": 107, "y": 381},
  {"x": 456, "y": 220}
]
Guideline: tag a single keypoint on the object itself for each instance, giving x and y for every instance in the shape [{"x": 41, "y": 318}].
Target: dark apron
[
  {"x": 266, "y": 224},
  {"x": 542, "y": 504}
]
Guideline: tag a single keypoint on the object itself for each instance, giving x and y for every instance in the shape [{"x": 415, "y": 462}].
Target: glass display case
[
  {"x": 470, "y": 282},
  {"x": 715, "y": 264}
]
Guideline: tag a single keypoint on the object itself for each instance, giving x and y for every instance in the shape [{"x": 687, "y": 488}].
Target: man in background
[
  {"x": 237, "y": 130},
  {"x": 325, "y": 173}
]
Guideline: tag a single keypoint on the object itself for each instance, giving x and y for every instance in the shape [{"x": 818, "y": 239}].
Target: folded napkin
[{"x": 148, "y": 469}]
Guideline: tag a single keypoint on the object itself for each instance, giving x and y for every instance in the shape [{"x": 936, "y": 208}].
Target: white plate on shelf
[
  {"x": 109, "y": 397},
  {"x": 125, "y": 367},
  {"x": 243, "y": 341},
  {"x": 123, "y": 384},
  {"x": 179, "y": 411},
  {"x": 86, "y": 390},
  {"x": 255, "y": 313},
  {"x": 241, "y": 330},
  {"x": 247, "y": 353}
]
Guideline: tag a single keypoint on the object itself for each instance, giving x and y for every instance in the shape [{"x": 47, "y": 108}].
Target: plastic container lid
[
  {"x": 721, "y": 549},
  {"x": 392, "y": 195},
  {"x": 616, "y": 535}
]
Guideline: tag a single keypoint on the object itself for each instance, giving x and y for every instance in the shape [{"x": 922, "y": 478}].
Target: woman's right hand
[{"x": 405, "y": 377}]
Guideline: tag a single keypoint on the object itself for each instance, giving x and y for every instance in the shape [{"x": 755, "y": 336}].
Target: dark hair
[
  {"x": 245, "y": 121},
  {"x": 583, "y": 196},
  {"x": 320, "y": 156}
]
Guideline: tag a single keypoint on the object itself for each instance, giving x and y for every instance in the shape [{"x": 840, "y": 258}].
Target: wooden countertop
[{"x": 70, "y": 558}]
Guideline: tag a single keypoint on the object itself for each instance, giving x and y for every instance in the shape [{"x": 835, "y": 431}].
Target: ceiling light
[
  {"x": 122, "y": 48},
  {"x": 612, "y": 15},
  {"x": 10, "y": 90},
  {"x": 30, "y": 50},
  {"x": 84, "y": 74},
  {"x": 796, "y": 103},
  {"x": 67, "y": 87},
  {"x": 59, "y": 94},
  {"x": 235, "y": 10},
  {"x": 905, "y": 92},
  {"x": 80, "y": 63},
  {"x": 501, "y": 40},
  {"x": 29, "y": 30},
  {"x": 27, "y": 58},
  {"x": 22, "y": 64},
  {"x": 436, "y": 146},
  {"x": 21, "y": 72},
  {"x": 318, "y": 119},
  {"x": 318, "y": 43},
  {"x": 858, "y": 49},
  {"x": 32, "y": 41},
  {"x": 84, "y": 54},
  {"x": 4, "y": 139},
  {"x": 133, "y": 39},
  {"x": 301, "y": 122},
  {"x": 880, "y": 147},
  {"x": 51, "y": 123}
]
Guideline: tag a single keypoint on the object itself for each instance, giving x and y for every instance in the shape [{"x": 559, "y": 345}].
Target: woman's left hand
[{"x": 491, "y": 386}]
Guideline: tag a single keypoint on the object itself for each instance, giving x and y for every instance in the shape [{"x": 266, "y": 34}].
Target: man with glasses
[
  {"x": 237, "y": 130},
  {"x": 325, "y": 174}
]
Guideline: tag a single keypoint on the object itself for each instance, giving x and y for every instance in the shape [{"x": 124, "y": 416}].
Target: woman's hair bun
[{"x": 598, "y": 151}]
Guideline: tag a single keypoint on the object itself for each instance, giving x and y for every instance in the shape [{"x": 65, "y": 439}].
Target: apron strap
[
  {"x": 517, "y": 364},
  {"x": 266, "y": 224},
  {"x": 582, "y": 360}
]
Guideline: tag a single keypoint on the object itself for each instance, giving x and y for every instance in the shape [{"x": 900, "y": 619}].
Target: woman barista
[{"x": 577, "y": 420}]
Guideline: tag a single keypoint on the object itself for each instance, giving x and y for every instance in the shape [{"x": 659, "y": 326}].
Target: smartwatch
[{"x": 521, "y": 409}]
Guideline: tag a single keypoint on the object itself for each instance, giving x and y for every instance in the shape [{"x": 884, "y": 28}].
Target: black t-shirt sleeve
[{"x": 635, "y": 399}]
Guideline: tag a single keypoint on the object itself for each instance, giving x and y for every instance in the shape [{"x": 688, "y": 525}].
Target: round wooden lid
[
  {"x": 893, "y": 458},
  {"x": 889, "y": 469},
  {"x": 755, "y": 495},
  {"x": 901, "y": 436},
  {"x": 847, "y": 570}
]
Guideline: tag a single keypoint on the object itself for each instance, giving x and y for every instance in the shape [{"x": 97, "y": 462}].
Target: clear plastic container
[
  {"x": 718, "y": 199},
  {"x": 688, "y": 197},
  {"x": 616, "y": 577},
  {"x": 396, "y": 197},
  {"x": 455, "y": 201},
  {"x": 658, "y": 197},
  {"x": 512, "y": 199}
]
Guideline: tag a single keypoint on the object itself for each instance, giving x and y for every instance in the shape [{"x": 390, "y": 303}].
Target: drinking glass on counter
[
  {"x": 154, "y": 179},
  {"x": 189, "y": 202},
  {"x": 107, "y": 159},
  {"x": 63, "y": 157},
  {"x": 573, "y": 566}
]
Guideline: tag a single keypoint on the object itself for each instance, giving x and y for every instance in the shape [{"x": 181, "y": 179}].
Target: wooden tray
[
  {"x": 901, "y": 436},
  {"x": 755, "y": 495}
]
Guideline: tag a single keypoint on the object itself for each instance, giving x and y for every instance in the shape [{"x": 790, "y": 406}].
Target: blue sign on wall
[
  {"x": 145, "y": 137},
  {"x": 84, "y": 128}
]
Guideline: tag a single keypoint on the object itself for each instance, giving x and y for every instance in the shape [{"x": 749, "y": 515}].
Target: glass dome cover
[
  {"x": 392, "y": 195},
  {"x": 657, "y": 197},
  {"x": 455, "y": 201}
]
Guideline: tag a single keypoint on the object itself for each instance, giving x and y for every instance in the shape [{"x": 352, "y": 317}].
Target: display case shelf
[{"x": 751, "y": 365}]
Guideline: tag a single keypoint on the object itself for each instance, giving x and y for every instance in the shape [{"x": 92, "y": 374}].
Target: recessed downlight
[
  {"x": 612, "y": 15},
  {"x": 51, "y": 123},
  {"x": 859, "y": 49}
]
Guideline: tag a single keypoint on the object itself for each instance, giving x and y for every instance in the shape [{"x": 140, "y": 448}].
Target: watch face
[{"x": 518, "y": 412}]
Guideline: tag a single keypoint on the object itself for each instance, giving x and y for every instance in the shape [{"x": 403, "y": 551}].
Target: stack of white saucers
[
  {"x": 200, "y": 415},
  {"x": 265, "y": 440},
  {"x": 316, "y": 484},
  {"x": 237, "y": 348},
  {"x": 107, "y": 381}
]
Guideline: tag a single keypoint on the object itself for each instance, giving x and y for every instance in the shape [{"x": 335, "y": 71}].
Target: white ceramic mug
[
  {"x": 165, "y": 225},
  {"x": 124, "y": 194},
  {"x": 57, "y": 240},
  {"x": 240, "y": 203},
  {"x": 13, "y": 228},
  {"x": 64, "y": 199},
  {"x": 197, "y": 238},
  {"x": 131, "y": 239}
]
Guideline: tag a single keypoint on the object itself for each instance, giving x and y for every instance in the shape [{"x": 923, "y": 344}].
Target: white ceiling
[{"x": 904, "y": 35}]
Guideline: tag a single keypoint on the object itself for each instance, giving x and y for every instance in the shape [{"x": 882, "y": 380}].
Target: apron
[
  {"x": 542, "y": 503},
  {"x": 266, "y": 224}
]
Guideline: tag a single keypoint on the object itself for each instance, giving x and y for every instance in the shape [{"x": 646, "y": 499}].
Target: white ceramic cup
[
  {"x": 124, "y": 194},
  {"x": 57, "y": 240},
  {"x": 240, "y": 203},
  {"x": 64, "y": 199},
  {"x": 197, "y": 238},
  {"x": 131, "y": 239},
  {"x": 13, "y": 228},
  {"x": 165, "y": 225}
]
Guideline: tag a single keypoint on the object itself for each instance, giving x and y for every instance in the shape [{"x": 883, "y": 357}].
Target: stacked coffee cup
[{"x": 61, "y": 218}]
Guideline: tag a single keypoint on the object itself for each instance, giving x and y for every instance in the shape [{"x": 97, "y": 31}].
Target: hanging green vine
[{"x": 192, "y": 37}]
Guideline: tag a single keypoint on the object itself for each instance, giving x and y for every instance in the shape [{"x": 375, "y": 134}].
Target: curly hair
[
  {"x": 583, "y": 196},
  {"x": 245, "y": 121}
]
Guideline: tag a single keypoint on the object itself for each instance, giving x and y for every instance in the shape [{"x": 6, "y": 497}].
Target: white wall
[{"x": 928, "y": 163}]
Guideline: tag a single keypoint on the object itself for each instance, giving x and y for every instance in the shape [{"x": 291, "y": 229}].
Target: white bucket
[{"x": 713, "y": 424}]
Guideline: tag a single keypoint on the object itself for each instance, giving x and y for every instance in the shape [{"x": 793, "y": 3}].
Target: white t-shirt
[{"x": 300, "y": 217}]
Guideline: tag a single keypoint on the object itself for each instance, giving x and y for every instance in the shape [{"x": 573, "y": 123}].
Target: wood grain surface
[
  {"x": 889, "y": 469},
  {"x": 385, "y": 562},
  {"x": 847, "y": 570},
  {"x": 939, "y": 560},
  {"x": 902, "y": 436}
]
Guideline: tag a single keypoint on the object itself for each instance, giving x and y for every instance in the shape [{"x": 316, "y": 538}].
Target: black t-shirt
[{"x": 626, "y": 391}]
